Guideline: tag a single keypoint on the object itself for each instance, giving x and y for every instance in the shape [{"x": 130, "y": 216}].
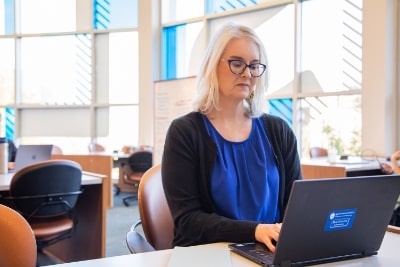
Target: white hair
[{"x": 207, "y": 98}]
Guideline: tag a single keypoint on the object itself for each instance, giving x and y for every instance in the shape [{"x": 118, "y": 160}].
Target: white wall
[{"x": 149, "y": 58}]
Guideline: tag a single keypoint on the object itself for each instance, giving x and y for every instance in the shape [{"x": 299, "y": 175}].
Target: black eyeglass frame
[{"x": 230, "y": 61}]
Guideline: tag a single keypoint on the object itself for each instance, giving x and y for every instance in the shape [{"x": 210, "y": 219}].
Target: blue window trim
[
  {"x": 101, "y": 15},
  {"x": 169, "y": 53},
  {"x": 9, "y": 6},
  {"x": 282, "y": 108},
  {"x": 10, "y": 123}
]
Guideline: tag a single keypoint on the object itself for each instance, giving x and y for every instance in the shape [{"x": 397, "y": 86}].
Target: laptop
[
  {"x": 29, "y": 154},
  {"x": 328, "y": 220}
]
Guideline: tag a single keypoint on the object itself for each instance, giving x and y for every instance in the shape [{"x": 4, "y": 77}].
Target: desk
[
  {"x": 388, "y": 256},
  {"x": 118, "y": 158},
  {"x": 351, "y": 168},
  {"x": 96, "y": 163},
  {"x": 89, "y": 239}
]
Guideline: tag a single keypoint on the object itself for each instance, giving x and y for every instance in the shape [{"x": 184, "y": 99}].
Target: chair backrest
[
  {"x": 154, "y": 212},
  {"x": 56, "y": 150},
  {"x": 17, "y": 241},
  {"x": 318, "y": 152},
  {"x": 47, "y": 188},
  {"x": 95, "y": 147},
  {"x": 137, "y": 164},
  {"x": 140, "y": 161}
]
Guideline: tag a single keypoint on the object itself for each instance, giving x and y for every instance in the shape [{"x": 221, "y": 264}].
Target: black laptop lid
[{"x": 330, "y": 218}]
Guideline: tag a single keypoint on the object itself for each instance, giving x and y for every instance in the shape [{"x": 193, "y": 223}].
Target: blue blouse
[{"x": 245, "y": 178}]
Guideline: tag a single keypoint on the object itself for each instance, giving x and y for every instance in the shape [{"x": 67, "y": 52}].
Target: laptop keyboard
[{"x": 263, "y": 252}]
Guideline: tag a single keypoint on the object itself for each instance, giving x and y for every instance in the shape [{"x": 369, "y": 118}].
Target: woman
[{"x": 227, "y": 167}]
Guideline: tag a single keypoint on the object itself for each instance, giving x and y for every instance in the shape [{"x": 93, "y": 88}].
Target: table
[
  {"x": 118, "y": 159},
  {"x": 388, "y": 256},
  {"x": 100, "y": 163},
  {"x": 352, "y": 167},
  {"x": 89, "y": 239}
]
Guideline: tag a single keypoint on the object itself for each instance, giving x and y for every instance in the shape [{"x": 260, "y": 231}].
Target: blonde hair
[{"x": 207, "y": 98}]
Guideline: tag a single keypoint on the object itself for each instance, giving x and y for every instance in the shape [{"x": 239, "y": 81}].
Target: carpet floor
[{"x": 119, "y": 220}]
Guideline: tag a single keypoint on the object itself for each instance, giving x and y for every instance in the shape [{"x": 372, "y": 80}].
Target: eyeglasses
[{"x": 238, "y": 67}]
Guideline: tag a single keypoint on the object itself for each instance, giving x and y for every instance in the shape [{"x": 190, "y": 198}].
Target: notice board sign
[{"x": 172, "y": 98}]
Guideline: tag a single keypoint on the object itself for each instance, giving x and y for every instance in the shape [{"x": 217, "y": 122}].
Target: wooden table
[{"x": 321, "y": 168}]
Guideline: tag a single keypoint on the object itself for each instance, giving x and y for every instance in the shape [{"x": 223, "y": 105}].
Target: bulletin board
[{"x": 172, "y": 98}]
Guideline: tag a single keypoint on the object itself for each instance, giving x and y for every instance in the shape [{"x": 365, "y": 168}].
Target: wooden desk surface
[
  {"x": 349, "y": 165},
  {"x": 352, "y": 167},
  {"x": 388, "y": 256}
]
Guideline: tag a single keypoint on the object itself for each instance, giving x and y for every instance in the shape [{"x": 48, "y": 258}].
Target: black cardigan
[{"x": 187, "y": 162}]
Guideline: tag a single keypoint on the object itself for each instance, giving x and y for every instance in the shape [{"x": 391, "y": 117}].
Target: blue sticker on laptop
[{"x": 340, "y": 219}]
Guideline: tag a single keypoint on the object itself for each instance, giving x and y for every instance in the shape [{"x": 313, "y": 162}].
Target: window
[
  {"x": 41, "y": 16},
  {"x": 118, "y": 80},
  {"x": 175, "y": 10},
  {"x": 180, "y": 41},
  {"x": 331, "y": 48},
  {"x": 7, "y": 67},
  {"x": 7, "y": 17},
  {"x": 115, "y": 14},
  {"x": 75, "y": 67},
  {"x": 314, "y": 60},
  {"x": 333, "y": 122},
  {"x": 56, "y": 70},
  {"x": 217, "y": 6}
]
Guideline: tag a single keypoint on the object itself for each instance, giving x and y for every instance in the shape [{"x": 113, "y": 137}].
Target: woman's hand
[{"x": 268, "y": 234}]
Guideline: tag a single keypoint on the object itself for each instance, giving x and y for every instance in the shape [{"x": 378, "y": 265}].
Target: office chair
[
  {"x": 45, "y": 193},
  {"x": 318, "y": 152},
  {"x": 95, "y": 147},
  {"x": 132, "y": 171},
  {"x": 155, "y": 217},
  {"x": 17, "y": 241},
  {"x": 56, "y": 150},
  {"x": 395, "y": 162}
]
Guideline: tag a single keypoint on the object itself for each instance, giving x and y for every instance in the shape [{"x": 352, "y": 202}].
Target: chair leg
[
  {"x": 126, "y": 203},
  {"x": 126, "y": 200},
  {"x": 117, "y": 190}
]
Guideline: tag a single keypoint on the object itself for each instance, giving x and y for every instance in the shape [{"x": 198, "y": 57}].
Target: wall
[{"x": 380, "y": 128}]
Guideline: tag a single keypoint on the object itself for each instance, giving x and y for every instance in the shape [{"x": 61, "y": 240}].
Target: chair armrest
[
  {"x": 133, "y": 227},
  {"x": 137, "y": 243}
]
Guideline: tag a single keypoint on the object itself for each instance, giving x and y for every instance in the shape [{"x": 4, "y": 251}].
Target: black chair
[
  {"x": 132, "y": 171},
  {"x": 46, "y": 193}
]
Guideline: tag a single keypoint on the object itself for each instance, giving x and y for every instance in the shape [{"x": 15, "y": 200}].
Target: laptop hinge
[
  {"x": 286, "y": 263},
  {"x": 370, "y": 253}
]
